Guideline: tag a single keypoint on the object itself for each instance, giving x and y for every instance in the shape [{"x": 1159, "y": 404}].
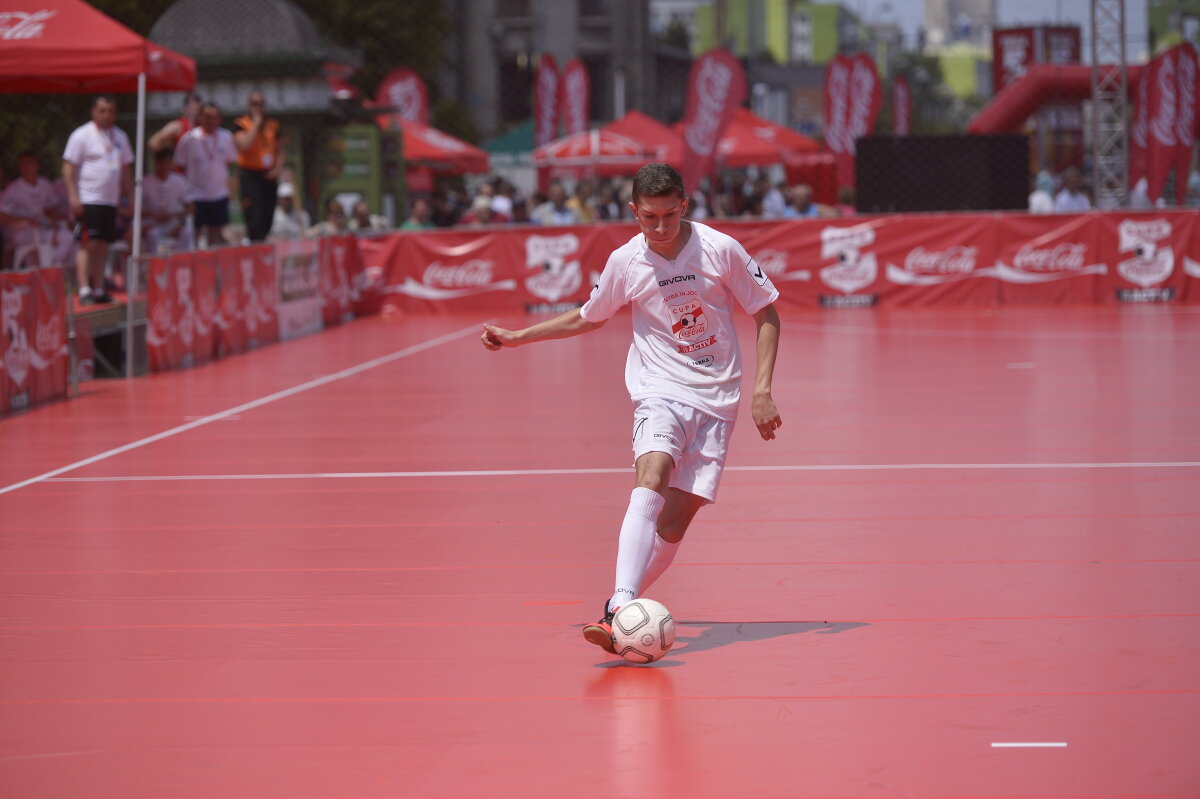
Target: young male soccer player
[{"x": 683, "y": 371}]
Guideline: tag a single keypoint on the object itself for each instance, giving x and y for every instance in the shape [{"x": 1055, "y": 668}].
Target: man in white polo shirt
[
  {"x": 165, "y": 207},
  {"x": 97, "y": 174},
  {"x": 205, "y": 153},
  {"x": 683, "y": 371}
]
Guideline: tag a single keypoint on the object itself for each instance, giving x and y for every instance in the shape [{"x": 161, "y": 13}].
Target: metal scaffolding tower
[{"x": 1110, "y": 94}]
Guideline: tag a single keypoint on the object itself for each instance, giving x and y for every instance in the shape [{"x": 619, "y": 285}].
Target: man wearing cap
[{"x": 290, "y": 221}]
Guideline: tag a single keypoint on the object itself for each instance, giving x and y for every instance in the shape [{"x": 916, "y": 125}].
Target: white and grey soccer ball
[{"x": 643, "y": 631}]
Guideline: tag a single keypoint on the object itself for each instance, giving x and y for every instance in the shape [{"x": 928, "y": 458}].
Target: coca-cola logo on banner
[
  {"x": 449, "y": 281},
  {"x": 929, "y": 267},
  {"x": 576, "y": 96},
  {"x": 1160, "y": 123},
  {"x": 405, "y": 91},
  {"x": 716, "y": 87},
  {"x": 24, "y": 24},
  {"x": 545, "y": 101},
  {"x": 837, "y": 93},
  {"x": 775, "y": 264}
]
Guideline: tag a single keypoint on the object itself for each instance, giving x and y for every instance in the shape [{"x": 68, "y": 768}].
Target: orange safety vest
[{"x": 261, "y": 154}]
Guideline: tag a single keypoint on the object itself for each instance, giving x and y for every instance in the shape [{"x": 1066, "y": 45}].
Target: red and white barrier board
[
  {"x": 33, "y": 338},
  {"x": 899, "y": 260}
]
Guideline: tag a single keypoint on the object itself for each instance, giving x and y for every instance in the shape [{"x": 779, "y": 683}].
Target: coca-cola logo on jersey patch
[{"x": 688, "y": 320}]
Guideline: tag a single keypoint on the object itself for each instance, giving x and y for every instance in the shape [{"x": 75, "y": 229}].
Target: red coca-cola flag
[
  {"x": 1012, "y": 53},
  {"x": 837, "y": 97},
  {"x": 716, "y": 88},
  {"x": 1139, "y": 125},
  {"x": 1160, "y": 136},
  {"x": 229, "y": 327},
  {"x": 901, "y": 106},
  {"x": 48, "y": 338},
  {"x": 575, "y": 102},
  {"x": 405, "y": 92},
  {"x": 545, "y": 101},
  {"x": 853, "y": 97},
  {"x": 1186, "y": 67}
]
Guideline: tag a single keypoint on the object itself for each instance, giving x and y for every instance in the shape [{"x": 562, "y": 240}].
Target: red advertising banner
[
  {"x": 716, "y": 88},
  {"x": 171, "y": 329},
  {"x": 1049, "y": 260},
  {"x": 1139, "y": 127},
  {"x": 1185, "y": 117},
  {"x": 204, "y": 306},
  {"x": 853, "y": 97},
  {"x": 1162, "y": 105},
  {"x": 901, "y": 106},
  {"x": 229, "y": 327},
  {"x": 1012, "y": 53},
  {"x": 335, "y": 287},
  {"x": 299, "y": 308},
  {"x": 545, "y": 101},
  {"x": 405, "y": 92},
  {"x": 260, "y": 299},
  {"x": 575, "y": 103},
  {"x": 33, "y": 338},
  {"x": 1150, "y": 253}
]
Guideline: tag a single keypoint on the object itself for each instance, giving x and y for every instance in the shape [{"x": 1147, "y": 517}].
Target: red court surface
[{"x": 355, "y": 565}]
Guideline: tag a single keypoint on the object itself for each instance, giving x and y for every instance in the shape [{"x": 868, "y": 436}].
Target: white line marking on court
[
  {"x": 863, "y": 467},
  {"x": 1031, "y": 745},
  {"x": 278, "y": 395}
]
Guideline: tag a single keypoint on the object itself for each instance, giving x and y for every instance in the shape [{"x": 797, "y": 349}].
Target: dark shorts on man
[
  {"x": 212, "y": 213},
  {"x": 99, "y": 223}
]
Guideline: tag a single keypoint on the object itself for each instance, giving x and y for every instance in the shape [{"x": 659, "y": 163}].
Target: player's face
[{"x": 660, "y": 218}]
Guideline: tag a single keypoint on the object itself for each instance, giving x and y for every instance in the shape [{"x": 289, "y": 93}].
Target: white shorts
[{"x": 695, "y": 440}]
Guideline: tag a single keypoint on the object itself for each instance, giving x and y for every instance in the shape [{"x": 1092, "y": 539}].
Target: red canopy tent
[
  {"x": 750, "y": 140},
  {"x": 66, "y": 46},
  {"x": 660, "y": 141},
  {"x": 596, "y": 152},
  {"x": 430, "y": 148}
]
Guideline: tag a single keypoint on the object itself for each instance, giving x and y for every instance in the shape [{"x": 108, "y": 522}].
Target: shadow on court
[{"x": 715, "y": 634}]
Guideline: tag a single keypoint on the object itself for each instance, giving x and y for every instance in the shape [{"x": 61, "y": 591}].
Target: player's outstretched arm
[
  {"x": 564, "y": 325},
  {"x": 766, "y": 415}
]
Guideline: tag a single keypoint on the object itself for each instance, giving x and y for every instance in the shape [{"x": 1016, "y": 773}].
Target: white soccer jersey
[
  {"x": 205, "y": 160},
  {"x": 28, "y": 201},
  {"x": 98, "y": 155},
  {"x": 684, "y": 343}
]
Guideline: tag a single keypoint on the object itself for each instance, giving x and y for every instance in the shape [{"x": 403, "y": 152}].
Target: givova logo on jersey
[{"x": 558, "y": 276}]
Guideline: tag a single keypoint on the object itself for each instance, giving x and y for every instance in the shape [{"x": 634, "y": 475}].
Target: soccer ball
[{"x": 643, "y": 631}]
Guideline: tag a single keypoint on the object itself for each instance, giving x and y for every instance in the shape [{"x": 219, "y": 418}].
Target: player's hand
[
  {"x": 495, "y": 338},
  {"x": 766, "y": 416}
]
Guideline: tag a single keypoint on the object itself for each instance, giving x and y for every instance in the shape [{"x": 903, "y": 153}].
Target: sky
[{"x": 1010, "y": 13}]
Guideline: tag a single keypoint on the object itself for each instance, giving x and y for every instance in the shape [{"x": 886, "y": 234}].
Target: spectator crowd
[{"x": 84, "y": 217}]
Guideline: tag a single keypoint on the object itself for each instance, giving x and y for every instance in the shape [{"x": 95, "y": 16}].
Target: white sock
[
  {"x": 636, "y": 544},
  {"x": 660, "y": 559}
]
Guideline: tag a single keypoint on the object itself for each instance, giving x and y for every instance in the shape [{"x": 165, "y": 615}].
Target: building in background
[
  {"x": 959, "y": 21},
  {"x": 1171, "y": 22}
]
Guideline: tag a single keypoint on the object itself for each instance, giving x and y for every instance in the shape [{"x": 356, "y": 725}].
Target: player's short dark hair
[
  {"x": 103, "y": 98},
  {"x": 657, "y": 180},
  {"x": 26, "y": 154}
]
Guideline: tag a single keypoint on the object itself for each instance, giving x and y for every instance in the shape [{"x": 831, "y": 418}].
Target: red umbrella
[
  {"x": 664, "y": 143},
  {"x": 430, "y": 147},
  {"x": 751, "y": 140},
  {"x": 593, "y": 152}
]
